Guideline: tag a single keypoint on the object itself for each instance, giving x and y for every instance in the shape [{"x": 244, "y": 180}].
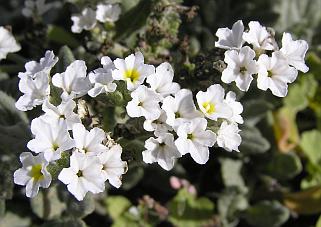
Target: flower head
[
  {"x": 193, "y": 138},
  {"x": 73, "y": 81},
  {"x": 236, "y": 107},
  {"x": 274, "y": 74},
  {"x": 132, "y": 70},
  {"x": 51, "y": 138},
  {"x": 240, "y": 67},
  {"x": 102, "y": 78},
  {"x": 212, "y": 104},
  {"x": 228, "y": 136},
  {"x": 84, "y": 175},
  {"x": 33, "y": 173},
  {"x": 144, "y": 103},
  {"x": 8, "y": 44},
  {"x": 113, "y": 166},
  {"x": 161, "y": 150},
  {"x": 158, "y": 126},
  {"x": 84, "y": 21},
  {"x": 107, "y": 12},
  {"x": 230, "y": 39}
]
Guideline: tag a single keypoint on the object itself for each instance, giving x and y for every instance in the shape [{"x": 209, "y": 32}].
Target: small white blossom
[
  {"x": 107, "y": 12},
  {"x": 51, "y": 138},
  {"x": 63, "y": 112},
  {"x": 212, "y": 104},
  {"x": 45, "y": 65},
  {"x": 193, "y": 138},
  {"x": 84, "y": 175},
  {"x": 113, "y": 166},
  {"x": 274, "y": 74},
  {"x": 35, "y": 91},
  {"x": 38, "y": 7},
  {"x": 8, "y": 44},
  {"x": 237, "y": 107},
  {"x": 228, "y": 136},
  {"x": 294, "y": 52},
  {"x": 162, "y": 81},
  {"x": 132, "y": 70},
  {"x": 259, "y": 37},
  {"x": 180, "y": 109},
  {"x": 102, "y": 78},
  {"x": 161, "y": 150},
  {"x": 144, "y": 103},
  {"x": 240, "y": 67},
  {"x": 230, "y": 39},
  {"x": 158, "y": 126},
  {"x": 33, "y": 173},
  {"x": 84, "y": 21},
  {"x": 73, "y": 81},
  {"x": 88, "y": 142}
]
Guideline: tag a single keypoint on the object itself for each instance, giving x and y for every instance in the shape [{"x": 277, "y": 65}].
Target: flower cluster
[
  {"x": 60, "y": 130},
  {"x": 88, "y": 18},
  {"x": 256, "y": 52},
  {"x": 169, "y": 111}
]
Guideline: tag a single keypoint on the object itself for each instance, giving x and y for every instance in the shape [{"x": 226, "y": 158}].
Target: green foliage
[
  {"x": 252, "y": 141},
  {"x": 231, "y": 173},
  {"x": 187, "y": 210},
  {"x": 14, "y": 220},
  {"x": 266, "y": 214},
  {"x": 310, "y": 144},
  {"x": 116, "y": 206}
]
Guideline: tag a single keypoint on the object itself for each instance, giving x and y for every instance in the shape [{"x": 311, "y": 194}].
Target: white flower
[
  {"x": 88, "y": 142},
  {"x": 107, "y": 12},
  {"x": 45, "y": 65},
  {"x": 144, "y": 103},
  {"x": 259, "y": 37},
  {"x": 294, "y": 52},
  {"x": 63, "y": 112},
  {"x": 35, "y": 91},
  {"x": 161, "y": 150},
  {"x": 84, "y": 175},
  {"x": 230, "y": 39},
  {"x": 132, "y": 70},
  {"x": 236, "y": 107},
  {"x": 38, "y": 7},
  {"x": 180, "y": 109},
  {"x": 113, "y": 166},
  {"x": 193, "y": 138},
  {"x": 240, "y": 67},
  {"x": 228, "y": 136},
  {"x": 158, "y": 126},
  {"x": 102, "y": 78},
  {"x": 8, "y": 44},
  {"x": 51, "y": 138},
  {"x": 73, "y": 81},
  {"x": 274, "y": 74},
  {"x": 212, "y": 104},
  {"x": 162, "y": 81},
  {"x": 84, "y": 21},
  {"x": 33, "y": 173}
]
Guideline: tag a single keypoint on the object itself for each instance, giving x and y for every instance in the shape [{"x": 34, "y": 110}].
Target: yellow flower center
[
  {"x": 190, "y": 136},
  {"x": 270, "y": 73},
  {"x": 36, "y": 173},
  {"x": 132, "y": 74},
  {"x": 208, "y": 107},
  {"x": 55, "y": 146}
]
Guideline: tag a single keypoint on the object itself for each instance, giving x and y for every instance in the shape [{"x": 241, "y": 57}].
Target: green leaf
[
  {"x": 187, "y": 210},
  {"x": 231, "y": 173},
  {"x": 80, "y": 209},
  {"x": 14, "y": 220},
  {"x": 266, "y": 214},
  {"x": 318, "y": 224},
  {"x": 6, "y": 180},
  {"x": 66, "y": 57},
  {"x": 134, "y": 175},
  {"x": 61, "y": 36},
  {"x": 46, "y": 204},
  {"x": 252, "y": 141},
  {"x": 310, "y": 144},
  {"x": 2, "y": 207},
  {"x": 134, "y": 19},
  {"x": 116, "y": 206},
  {"x": 284, "y": 166},
  {"x": 229, "y": 204},
  {"x": 255, "y": 110}
]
